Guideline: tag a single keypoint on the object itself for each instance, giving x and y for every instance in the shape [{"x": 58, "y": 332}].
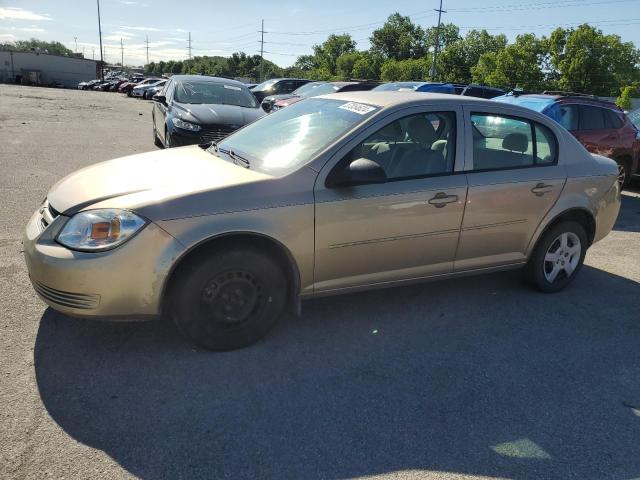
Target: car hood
[
  {"x": 148, "y": 179},
  {"x": 215, "y": 114}
]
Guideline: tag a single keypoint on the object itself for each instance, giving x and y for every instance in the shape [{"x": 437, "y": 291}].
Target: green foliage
[
  {"x": 399, "y": 39},
  {"x": 587, "y": 61},
  {"x": 54, "y": 48},
  {"x": 626, "y": 93},
  {"x": 326, "y": 55},
  {"x": 581, "y": 59},
  {"x": 405, "y": 70},
  {"x": 458, "y": 57},
  {"x": 518, "y": 65}
]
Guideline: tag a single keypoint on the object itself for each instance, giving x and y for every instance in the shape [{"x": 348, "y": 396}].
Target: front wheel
[
  {"x": 624, "y": 172},
  {"x": 558, "y": 257},
  {"x": 228, "y": 299}
]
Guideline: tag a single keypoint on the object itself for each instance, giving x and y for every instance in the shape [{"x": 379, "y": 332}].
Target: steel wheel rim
[
  {"x": 622, "y": 174},
  {"x": 231, "y": 298},
  {"x": 562, "y": 257}
]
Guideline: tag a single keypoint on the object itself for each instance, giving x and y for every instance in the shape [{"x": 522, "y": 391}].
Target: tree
[
  {"x": 54, "y": 48},
  {"x": 399, "y": 39},
  {"x": 516, "y": 65},
  {"x": 587, "y": 61},
  {"x": 449, "y": 33},
  {"x": 457, "y": 59},
  {"x": 327, "y": 54},
  {"x": 367, "y": 67},
  {"x": 624, "y": 100},
  {"x": 405, "y": 70}
]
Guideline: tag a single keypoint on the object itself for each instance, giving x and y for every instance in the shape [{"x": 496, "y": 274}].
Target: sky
[{"x": 292, "y": 27}]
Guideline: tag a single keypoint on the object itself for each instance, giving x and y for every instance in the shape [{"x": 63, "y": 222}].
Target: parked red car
[{"x": 601, "y": 126}]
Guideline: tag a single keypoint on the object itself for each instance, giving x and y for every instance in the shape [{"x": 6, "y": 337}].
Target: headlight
[
  {"x": 185, "y": 125},
  {"x": 96, "y": 230}
]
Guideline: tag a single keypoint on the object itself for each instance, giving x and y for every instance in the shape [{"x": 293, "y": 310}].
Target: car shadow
[
  {"x": 476, "y": 376},
  {"x": 629, "y": 217}
]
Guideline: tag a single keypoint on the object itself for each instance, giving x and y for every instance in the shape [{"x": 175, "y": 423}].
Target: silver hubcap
[
  {"x": 563, "y": 257},
  {"x": 621, "y": 174}
]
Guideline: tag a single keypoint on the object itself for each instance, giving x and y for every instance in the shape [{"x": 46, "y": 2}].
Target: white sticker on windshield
[
  {"x": 359, "y": 108},
  {"x": 232, "y": 87}
]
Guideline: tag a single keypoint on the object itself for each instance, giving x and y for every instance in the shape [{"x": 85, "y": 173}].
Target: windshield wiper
[{"x": 237, "y": 159}]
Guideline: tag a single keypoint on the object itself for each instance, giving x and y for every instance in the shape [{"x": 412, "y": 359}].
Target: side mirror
[
  {"x": 265, "y": 106},
  {"x": 359, "y": 172},
  {"x": 160, "y": 98}
]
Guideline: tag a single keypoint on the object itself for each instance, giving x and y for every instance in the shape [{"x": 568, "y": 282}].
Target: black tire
[
  {"x": 156, "y": 139},
  {"x": 538, "y": 269},
  {"x": 229, "y": 299}
]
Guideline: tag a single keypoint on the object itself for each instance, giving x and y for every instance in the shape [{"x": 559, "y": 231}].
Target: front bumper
[{"x": 126, "y": 282}]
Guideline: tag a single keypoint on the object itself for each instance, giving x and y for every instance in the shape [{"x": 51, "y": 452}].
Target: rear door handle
[
  {"x": 441, "y": 199},
  {"x": 541, "y": 188}
]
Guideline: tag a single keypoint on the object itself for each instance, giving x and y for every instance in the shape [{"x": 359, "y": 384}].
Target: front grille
[
  {"x": 216, "y": 133},
  {"x": 81, "y": 301},
  {"x": 47, "y": 215}
]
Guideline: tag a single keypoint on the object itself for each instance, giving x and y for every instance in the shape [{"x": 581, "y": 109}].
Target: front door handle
[
  {"x": 441, "y": 199},
  {"x": 541, "y": 188}
]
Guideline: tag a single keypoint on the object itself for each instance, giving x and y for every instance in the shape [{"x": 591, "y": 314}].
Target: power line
[{"x": 536, "y": 6}]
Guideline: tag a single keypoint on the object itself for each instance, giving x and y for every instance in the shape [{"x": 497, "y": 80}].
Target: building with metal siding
[{"x": 44, "y": 69}]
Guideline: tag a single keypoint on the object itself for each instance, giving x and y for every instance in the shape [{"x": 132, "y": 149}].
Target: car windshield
[
  {"x": 265, "y": 85},
  {"x": 539, "y": 104},
  {"x": 285, "y": 140},
  {"x": 314, "y": 89},
  {"x": 218, "y": 93}
]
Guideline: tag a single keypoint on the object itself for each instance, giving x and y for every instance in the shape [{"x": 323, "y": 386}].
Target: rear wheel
[
  {"x": 230, "y": 299},
  {"x": 558, "y": 257}
]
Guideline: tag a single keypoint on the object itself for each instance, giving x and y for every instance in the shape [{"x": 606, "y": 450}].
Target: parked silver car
[{"x": 334, "y": 194}]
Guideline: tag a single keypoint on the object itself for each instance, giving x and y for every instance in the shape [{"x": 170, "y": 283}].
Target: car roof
[
  {"x": 393, "y": 98},
  {"x": 586, "y": 99},
  {"x": 207, "y": 78}
]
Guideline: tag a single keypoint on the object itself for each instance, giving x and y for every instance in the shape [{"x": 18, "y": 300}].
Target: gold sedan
[{"x": 333, "y": 194}]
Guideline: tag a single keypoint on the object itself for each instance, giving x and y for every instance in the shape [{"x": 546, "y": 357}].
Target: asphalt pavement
[{"x": 479, "y": 377}]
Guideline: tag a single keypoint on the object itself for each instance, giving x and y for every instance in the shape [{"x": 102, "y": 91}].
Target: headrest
[
  {"x": 421, "y": 130},
  {"x": 516, "y": 142},
  {"x": 393, "y": 131}
]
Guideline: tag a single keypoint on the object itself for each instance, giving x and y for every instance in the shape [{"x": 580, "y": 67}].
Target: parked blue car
[{"x": 431, "y": 87}]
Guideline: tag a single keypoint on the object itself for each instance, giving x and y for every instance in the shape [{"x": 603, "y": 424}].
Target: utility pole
[
  {"x": 260, "y": 80},
  {"x": 147, "y": 49},
  {"x": 100, "y": 35},
  {"x": 75, "y": 39},
  {"x": 189, "y": 47},
  {"x": 437, "y": 45},
  {"x": 121, "y": 54},
  {"x": 93, "y": 53}
]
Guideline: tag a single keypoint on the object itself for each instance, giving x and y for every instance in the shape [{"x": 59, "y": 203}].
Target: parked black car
[
  {"x": 277, "y": 86},
  {"x": 195, "y": 109},
  {"x": 313, "y": 89},
  {"x": 482, "y": 91}
]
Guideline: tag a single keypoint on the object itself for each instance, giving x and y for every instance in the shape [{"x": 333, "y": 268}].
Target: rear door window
[
  {"x": 612, "y": 119},
  {"x": 591, "y": 118},
  {"x": 568, "y": 116}
]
